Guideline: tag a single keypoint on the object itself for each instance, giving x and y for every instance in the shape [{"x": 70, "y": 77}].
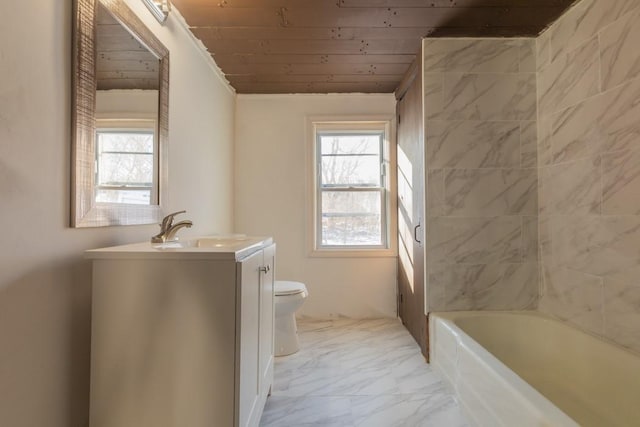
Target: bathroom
[{"x": 238, "y": 164}]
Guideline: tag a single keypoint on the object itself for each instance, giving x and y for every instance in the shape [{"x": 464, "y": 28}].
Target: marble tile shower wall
[
  {"x": 481, "y": 161},
  {"x": 589, "y": 168}
]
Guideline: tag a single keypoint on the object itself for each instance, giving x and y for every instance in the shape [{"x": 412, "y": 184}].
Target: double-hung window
[
  {"x": 351, "y": 186},
  {"x": 125, "y": 163}
]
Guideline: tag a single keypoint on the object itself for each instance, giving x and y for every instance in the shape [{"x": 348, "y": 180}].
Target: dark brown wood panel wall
[
  {"x": 411, "y": 260},
  {"x": 257, "y": 42}
]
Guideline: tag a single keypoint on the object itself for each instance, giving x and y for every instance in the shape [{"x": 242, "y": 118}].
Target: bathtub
[{"x": 526, "y": 369}]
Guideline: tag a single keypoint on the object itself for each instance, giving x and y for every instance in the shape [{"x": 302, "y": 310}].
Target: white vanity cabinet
[
  {"x": 255, "y": 323},
  {"x": 182, "y": 335}
]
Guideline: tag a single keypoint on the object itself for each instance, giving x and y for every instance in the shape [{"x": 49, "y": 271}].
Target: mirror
[{"x": 120, "y": 113}]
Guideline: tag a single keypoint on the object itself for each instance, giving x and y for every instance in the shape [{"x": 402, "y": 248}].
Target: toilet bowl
[{"x": 289, "y": 297}]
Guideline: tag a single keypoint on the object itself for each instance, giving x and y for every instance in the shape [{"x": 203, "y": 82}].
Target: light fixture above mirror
[{"x": 159, "y": 8}]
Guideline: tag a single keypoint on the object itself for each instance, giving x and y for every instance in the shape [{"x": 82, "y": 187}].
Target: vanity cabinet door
[
  {"x": 247, "y": 340},
  {"x": 266, "y": 320}
]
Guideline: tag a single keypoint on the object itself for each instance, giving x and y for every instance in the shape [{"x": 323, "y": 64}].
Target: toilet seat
[{"x": 284, "y": 287}]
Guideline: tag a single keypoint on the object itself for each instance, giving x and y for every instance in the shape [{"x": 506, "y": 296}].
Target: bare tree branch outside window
[
  {"x": 352, "y": 189},
  {"x": 124, "y": 172}
]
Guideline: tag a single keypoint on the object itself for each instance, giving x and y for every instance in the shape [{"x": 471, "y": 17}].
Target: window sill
[{"x": 352, "y": 253}]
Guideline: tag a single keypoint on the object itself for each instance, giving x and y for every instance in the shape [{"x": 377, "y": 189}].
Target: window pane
[
  {"x": 136, "y": 142},
  {"x": 136, "y": 197},
  {"x": 125, "y": 158},
  {"x": 351, "y": 218},
  {"x": 351, "y": 170},
  {"x": 350, "y": 159},
  {"x": 350, "y": 144},
  {"x": 125, "y": 169}
]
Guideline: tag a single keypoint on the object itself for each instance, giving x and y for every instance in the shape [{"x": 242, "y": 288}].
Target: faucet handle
[{"x": 167, "y": 221}]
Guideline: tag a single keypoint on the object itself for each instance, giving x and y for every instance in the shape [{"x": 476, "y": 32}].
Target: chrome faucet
[{"x": 168, "y": 229}]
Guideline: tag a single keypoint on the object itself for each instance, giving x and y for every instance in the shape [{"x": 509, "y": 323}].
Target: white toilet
[{"x": 289, "y": 297}]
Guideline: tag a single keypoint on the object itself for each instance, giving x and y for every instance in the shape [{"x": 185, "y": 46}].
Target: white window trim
[{"x": 368, "y": 122}]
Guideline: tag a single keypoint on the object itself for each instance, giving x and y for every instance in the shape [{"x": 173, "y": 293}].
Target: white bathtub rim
[
  {"x": 530, "y": 397},
  {"x": 453, "y": 315}
]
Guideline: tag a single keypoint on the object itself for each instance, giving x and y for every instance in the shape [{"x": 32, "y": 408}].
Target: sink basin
[
  {"x": 207, "y": 242},
  {"x": 220, "y": 242}
]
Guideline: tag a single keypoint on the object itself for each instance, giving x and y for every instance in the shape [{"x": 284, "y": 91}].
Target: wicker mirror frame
[{"x": 85, "y": 212}]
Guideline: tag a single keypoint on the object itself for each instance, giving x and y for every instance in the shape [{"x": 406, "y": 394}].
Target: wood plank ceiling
[
  {"x": 122, "y": 62},
  {"x": 325, "y": 46}
]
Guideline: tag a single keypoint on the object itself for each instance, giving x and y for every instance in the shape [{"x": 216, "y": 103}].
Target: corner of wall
[{"x": 201, "y": 48}]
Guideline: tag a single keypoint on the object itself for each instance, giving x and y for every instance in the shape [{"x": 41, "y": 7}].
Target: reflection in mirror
[
  {"x": 121, "y": 117},
  {"x": 127, "y": 77},
  {"x": 125, "y": 166}
]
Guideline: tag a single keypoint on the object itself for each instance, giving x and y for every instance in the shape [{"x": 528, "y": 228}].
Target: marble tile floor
[{"x": 352, "y": 373}]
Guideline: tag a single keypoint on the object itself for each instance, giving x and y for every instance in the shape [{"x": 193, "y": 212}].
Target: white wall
[
  {"x": 44, "y": 282},
  {"x": 270, "y": 186},
  {"x": 126, "y": 103}
]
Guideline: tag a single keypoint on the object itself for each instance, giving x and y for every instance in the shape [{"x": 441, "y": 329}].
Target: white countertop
[{"x": 233, "y": 247}]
